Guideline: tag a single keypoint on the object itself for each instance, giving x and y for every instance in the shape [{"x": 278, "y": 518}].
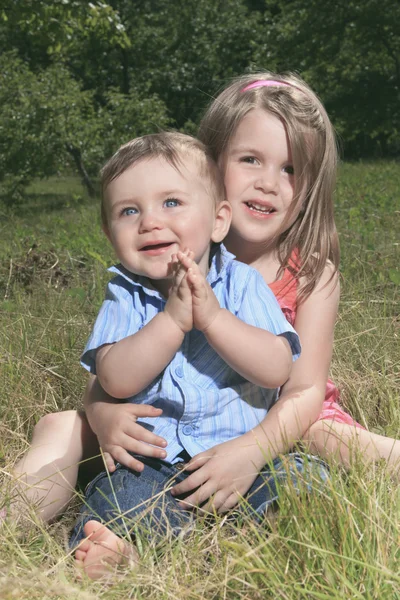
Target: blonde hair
[
  {"x": 174, "y": 148},
  {"x": 312, "y": 239}
]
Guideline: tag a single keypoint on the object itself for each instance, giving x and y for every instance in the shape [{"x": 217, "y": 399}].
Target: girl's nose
[{"x": 267, "y": 181}]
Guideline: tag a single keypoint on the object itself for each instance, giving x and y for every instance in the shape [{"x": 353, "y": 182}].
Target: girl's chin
[{"x": 250, "y": 235}]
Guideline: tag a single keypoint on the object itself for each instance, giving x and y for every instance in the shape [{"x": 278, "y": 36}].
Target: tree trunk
[{"x": 77, "y": 156}]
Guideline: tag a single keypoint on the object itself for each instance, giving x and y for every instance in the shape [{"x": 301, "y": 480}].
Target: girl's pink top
[{"x": 285, "y": 291}]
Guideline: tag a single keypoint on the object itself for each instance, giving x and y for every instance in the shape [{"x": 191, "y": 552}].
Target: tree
[
  {"x": 41, "y": 30},
  {"x": 185, "y": 49},
  {"x": 349, "y": 51},
  {"x": 48, "y": 123}
]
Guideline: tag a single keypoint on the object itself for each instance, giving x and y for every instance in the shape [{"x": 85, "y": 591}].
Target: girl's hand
[
  {"x": 179, "y": 303},
  {"x": 204, "y": 302},
  {"x": 118, "y": 432},
  {"x": 222, "y": 475}
]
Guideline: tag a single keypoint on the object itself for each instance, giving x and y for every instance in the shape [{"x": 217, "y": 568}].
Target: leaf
[
  {"x": 97, "y": 256},
  {"x": 394, "y": 276}
]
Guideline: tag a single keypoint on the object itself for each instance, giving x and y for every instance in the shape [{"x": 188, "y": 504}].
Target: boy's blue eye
[
  {"x": 129, "y": 211},
  {"x": 171, "y": 203}
]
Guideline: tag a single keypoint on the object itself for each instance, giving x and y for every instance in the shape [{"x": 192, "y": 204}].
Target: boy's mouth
[
  {"x": 156, "y": 248},
  {"x": 260, "y": 208}
]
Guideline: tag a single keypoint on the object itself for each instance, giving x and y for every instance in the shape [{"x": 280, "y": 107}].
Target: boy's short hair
[{"x": 173, "y": 147}]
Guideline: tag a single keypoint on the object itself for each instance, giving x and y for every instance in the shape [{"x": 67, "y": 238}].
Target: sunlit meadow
[{"x": 343, "y": 543}]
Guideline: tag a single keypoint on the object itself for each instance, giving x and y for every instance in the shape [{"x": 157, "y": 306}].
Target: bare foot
[{"x": 102, "y": 551}]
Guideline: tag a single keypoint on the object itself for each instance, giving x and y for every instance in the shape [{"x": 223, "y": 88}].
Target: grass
[{"x": 342, "y": 544}]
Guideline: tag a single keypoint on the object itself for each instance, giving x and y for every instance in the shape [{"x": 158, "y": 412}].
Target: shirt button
[
  {"x": 179, "y": 371},
  {"x": 187, "y": 429}
]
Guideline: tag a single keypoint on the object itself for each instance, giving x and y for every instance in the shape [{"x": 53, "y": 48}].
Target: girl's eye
[
  {"x": 289, "y": 170},
  {"x": 129, "y": 211},
  {"x": 251, "y": 160},
  {"x": 171, "y": 202}
]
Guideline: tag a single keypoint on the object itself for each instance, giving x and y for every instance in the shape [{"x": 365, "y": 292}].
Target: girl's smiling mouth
[{"x": 260, "y": 209}]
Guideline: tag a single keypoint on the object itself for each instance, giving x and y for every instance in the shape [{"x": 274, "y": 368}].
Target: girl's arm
[
  {"x": 227, "y": 471},
  {"x": 301, "y": 398}
]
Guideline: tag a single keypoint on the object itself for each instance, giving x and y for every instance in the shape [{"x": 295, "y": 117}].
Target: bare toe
[
  {"x": 80, "y": 555},
  {"x": 102, "y": 551}
]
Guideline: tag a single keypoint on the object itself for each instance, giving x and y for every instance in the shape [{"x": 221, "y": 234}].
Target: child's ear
[{"x": 223, "y": 217}]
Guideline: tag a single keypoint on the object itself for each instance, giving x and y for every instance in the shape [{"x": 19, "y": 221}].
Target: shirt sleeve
[
  {"x": 258, "y": 306},
  {"x": 116, "y": 320}
]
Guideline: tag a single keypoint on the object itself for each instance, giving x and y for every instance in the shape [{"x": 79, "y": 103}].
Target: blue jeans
[{"x": 128, "y": 502}]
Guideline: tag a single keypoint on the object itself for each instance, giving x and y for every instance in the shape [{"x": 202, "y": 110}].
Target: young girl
[{"x": 274, "y": 142}]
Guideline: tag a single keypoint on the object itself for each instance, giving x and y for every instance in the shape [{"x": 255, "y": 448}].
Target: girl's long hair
[{"x": 306, "y": 246}]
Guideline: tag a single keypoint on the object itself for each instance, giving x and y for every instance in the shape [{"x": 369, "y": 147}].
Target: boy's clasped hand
[{"x": 191, "y": 301}]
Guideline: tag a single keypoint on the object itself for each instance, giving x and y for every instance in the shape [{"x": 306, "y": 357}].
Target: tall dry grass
[{"x": 343, "y": 543}]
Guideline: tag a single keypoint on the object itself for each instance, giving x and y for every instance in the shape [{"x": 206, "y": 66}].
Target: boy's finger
[
  {"x": 184, "y": 282},
  {"x": 150, "y": 451},
  {"x": 138, "y": 432},
  {"x": 185, "y": 253},
  {"x": 199, "y": 286},
  {"x": 179, "y": 275},
  {"x": 188, "y": 262},
  {"x": 178, "y": 271},
  {"x": 109, "y": 462},
  {"x": 184, "y": 292},
  {"x": 195, "y": 283},
  {"x": 132, "y": 444},
  {"x": 185, "y": 259},
  {"x": 143, "y": 410},
  {"x": 125, "y": 459}
]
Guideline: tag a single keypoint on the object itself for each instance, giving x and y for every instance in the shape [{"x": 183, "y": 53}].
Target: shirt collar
[
  {"x": 136, "y": 280},
  {"x": 220, "y": 260}
]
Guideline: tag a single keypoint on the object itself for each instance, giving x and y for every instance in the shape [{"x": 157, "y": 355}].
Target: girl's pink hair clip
[{"x": 266, "y": 83}]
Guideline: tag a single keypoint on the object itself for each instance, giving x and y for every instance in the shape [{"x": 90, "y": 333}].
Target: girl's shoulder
[
  {"x": 324, "y": 298},
  {"x": 329, "y": 280},
  {"x": 286, "y": 289}
]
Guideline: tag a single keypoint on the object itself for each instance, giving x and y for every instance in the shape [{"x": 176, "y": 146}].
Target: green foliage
[
  {"x": 222, "y": 37},
  {"x": 125, "y": 116},
  {"x": 24, "y": 150},
  {"x": 350, "y": 53},
  {"x": 48, "y": 123},
  {"x": 41, "y": 115},
  {"x": 41, "y": 29},
  {"x": 79, "y": 78}
]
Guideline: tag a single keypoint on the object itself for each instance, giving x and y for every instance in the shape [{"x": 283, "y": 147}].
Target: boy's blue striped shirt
[{"x": 204, "y": 401}]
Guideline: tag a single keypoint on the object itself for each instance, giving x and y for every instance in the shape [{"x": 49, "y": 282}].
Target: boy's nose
[{"x": 150, "y": 221}]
